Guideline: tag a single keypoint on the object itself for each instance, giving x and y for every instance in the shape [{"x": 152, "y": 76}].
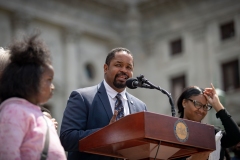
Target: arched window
[{"x": 90, "y": 71}]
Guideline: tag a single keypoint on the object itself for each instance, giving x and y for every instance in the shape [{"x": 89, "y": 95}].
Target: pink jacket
[{"x": 23, "y": 130}]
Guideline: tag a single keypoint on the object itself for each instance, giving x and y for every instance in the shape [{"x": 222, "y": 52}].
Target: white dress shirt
[{"x": 112, "y": 98}]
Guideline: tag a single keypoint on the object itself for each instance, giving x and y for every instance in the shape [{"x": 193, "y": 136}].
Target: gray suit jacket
[{"x": 88, "y": 110}]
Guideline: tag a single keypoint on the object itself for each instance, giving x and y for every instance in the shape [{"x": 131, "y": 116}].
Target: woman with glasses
[{"x": 194, "y": 103}]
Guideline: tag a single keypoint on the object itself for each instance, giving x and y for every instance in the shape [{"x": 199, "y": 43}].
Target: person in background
[
  {"x": 194, "y": 103},
  {"x": 4, "y": 59},
  {"x": 48, "y": 114},
  {"x": 26, "y": 83},
  {"x": 90, "y": 109}
]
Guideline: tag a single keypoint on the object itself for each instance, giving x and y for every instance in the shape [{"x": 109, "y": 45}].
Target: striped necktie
[{"x": 119, "y": 106}]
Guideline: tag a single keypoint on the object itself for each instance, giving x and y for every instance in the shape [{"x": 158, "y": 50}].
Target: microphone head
[{"x": 129, "y": 83}]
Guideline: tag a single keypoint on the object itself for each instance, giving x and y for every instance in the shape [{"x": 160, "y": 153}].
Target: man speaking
[{"x": 89, "y": 109}]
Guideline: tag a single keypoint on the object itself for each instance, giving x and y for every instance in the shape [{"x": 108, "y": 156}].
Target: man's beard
[{"x": 119, "y": 85}]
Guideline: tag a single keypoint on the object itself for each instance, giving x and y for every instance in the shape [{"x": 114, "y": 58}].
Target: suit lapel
[
  {"x": 102, "y": 94},
  {"x": 131, "y": 105}
]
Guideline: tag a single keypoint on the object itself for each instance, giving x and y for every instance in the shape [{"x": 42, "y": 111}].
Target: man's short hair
[{"x": 112, "y": 53}]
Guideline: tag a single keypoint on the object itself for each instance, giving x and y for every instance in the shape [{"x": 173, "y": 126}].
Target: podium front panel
[{"x": 142, "y": 133}]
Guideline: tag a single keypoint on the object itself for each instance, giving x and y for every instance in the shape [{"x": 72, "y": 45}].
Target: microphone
[
  {"x": 133, "y": 83},
  {"x": 140, "y": 81}
]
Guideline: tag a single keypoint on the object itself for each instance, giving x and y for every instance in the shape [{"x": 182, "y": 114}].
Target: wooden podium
[{"x": 145, "y": 135}]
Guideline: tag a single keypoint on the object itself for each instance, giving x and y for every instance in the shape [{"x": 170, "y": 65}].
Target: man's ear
[{"x": 105, "y": 68}]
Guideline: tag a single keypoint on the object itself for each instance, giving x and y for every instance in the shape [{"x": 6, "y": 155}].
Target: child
[
  {"x": 4, "y": 61},
  {"x": 25, "y": 83}
]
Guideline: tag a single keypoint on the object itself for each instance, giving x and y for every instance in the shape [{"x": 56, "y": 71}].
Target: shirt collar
[{"x": 112, "y": 93}]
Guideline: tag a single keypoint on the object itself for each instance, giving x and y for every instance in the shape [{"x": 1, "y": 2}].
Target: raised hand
[{"x": 212, "y": 98}]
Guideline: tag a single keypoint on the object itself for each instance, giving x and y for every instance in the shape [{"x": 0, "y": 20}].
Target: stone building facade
[{"x": 175, "y": 43}]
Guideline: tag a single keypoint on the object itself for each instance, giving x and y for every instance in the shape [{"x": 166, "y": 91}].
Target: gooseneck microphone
[
  {"x": 133, "y": 83},
  {"x": 141, "y": 82}
]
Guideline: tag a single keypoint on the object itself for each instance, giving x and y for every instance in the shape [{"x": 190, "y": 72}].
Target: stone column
[
  {"x": 6, "y": 29},
  {"x": 132, "y": 37},
  {"x": 71, "y": 61},
  {"x": 20, "y": 23}
]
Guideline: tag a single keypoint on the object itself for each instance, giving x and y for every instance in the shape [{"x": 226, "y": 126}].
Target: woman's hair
[
  {"x": 4, "y": 59},
  {"x": 21, "y": 77},
  {"x": 187, "y": 93}
]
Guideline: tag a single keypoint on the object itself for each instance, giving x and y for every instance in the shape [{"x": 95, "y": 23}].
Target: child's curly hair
[{"x": 21, "y": 77}]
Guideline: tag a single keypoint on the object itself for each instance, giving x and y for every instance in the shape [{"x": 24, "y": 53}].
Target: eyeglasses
[{"x": 199, "y": 105}]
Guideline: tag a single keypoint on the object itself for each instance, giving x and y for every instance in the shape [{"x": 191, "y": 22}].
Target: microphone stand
[{"x": 142, "y": 80}]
